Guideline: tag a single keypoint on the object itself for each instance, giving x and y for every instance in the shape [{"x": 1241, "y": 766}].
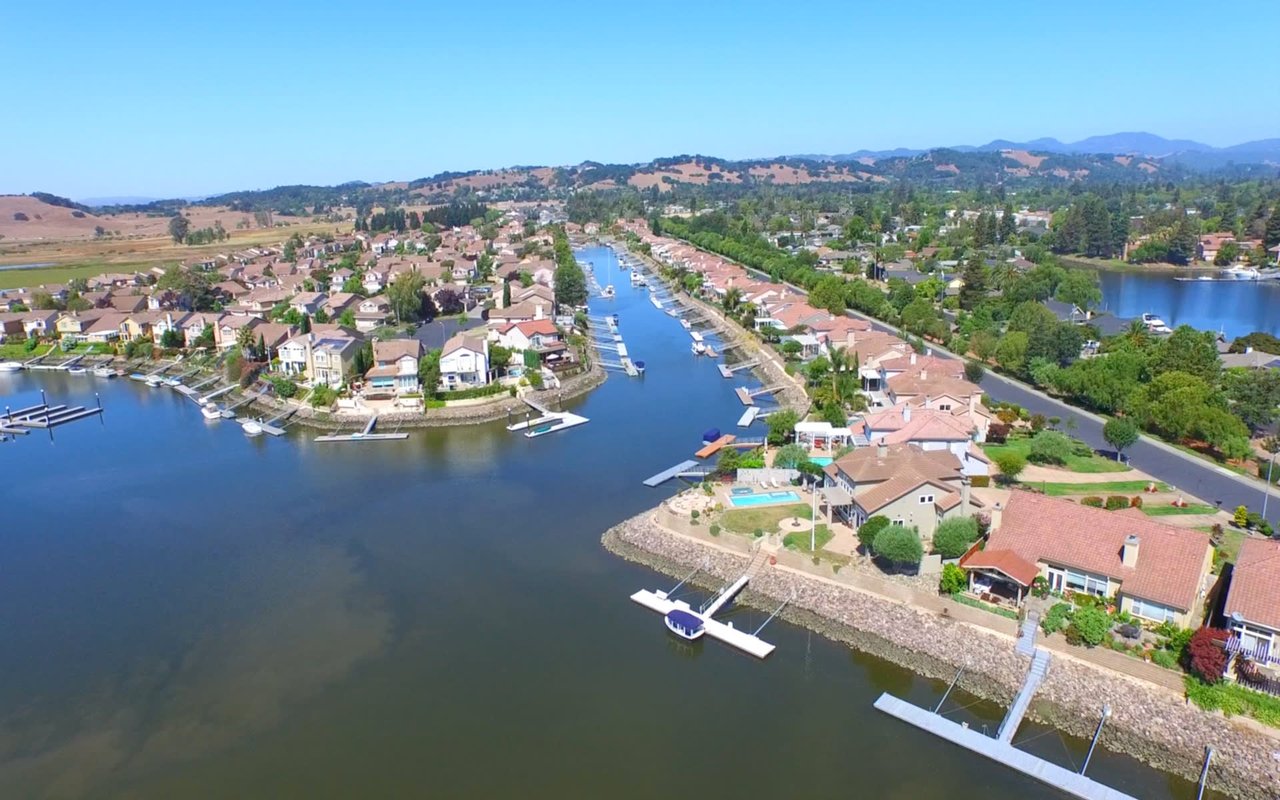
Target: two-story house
[
  {"x": 395, "y": 367},
  {"x": 1253, "y": 606},
  {"x": 464, "y": 362}
]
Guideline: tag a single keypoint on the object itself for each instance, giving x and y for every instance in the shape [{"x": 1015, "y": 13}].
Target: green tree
[
  {"x": 1080, "y": 288},
  {"x": 1120, "y": 432},
  {"x": 1271, "y": 233},
  {"x": 179, "y": 226},
  {"x": 782, "y": 424},
  {"x": 898, "y": 545},
  {"x": 975, "y": 288},
  {"x": 828, "y": 293},
  {"x": 953, "y": 536},
  {"x": 1091, "y": 624},
  {"x": 1188, "y": 350},
  {"x": 790, "y": 456},
  {"x": 868, "y": 530},
  {"x": 1011, "y": 352},
  {"x": 506, "y": 293},
  {"x": 1252, "y": 395},
  {"x": 429, "y": 372},
  {"x": 1008, "y": 224},
  {"x": 974, "y": 372},
  {"x": 405, "y": 295}
]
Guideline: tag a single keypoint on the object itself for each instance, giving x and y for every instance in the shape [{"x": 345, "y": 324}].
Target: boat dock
[
  {"x": 748, "y": 396},
  {"x": 685, "y": 469},
  {"x": 690, "y": 623},
  {"x": 44, "y": 416},
  {"x": 748, "y": 416},
  {"x": 217, "y": 393},
  {"x": 727, "y": 371},
  {"x": 711, "y": 448},
  {"x": 547, "y": 421},
  {"x": 366, "y": 435}
]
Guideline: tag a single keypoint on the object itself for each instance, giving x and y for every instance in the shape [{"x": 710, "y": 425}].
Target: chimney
[
  {"x": 973, "y": 403},
  {"x": 913, "y": 358},
  {"x": 964, "y": 495},
  {"x": 1129, "y": 552},
  {"x": 906, "y": 414},
  {"x": 997, "y": 512},
  {"x": 882, "y": 449},
  {"x": 924, "y": 374}
]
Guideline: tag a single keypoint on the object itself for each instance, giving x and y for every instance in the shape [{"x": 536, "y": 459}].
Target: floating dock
[
  {"x": 727, "y": 371},
  {"x": 548, "y": 423},
  {"x": 685, "y": 469},
  {"x": 44, "y": 416},
  {"x": 748, "y": 416},
  {"x": 691, "y": 623},
  {"x": 366, "y": 435},
  {"x": 714, "y": 447}
]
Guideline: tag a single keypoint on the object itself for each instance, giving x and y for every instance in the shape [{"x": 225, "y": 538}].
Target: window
[
  {"x": 899, "y": 521},
  {"x": 926, "y": 499},
  {"x": 944, "y": 407},
  {"x": 1077, "y": 581},
  {"x": 1152, "y": 611}
]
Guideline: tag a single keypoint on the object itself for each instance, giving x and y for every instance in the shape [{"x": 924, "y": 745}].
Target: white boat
[
  {"x": 104, "y": 372},
  {"x": 639, "y": 365},
  {"x": 699, "y": 348},
  {"x": 10, "y": 366},
  {"x": 76, "y": 370},
  {"x": 684, "y": 323},
  {"x": 211, "y": 411},
  {"x": 154, "y": 381},
  {"x": 172, "y": 383},
  {"x": 637, "y": 279},
  {"x": 251, "y": 427},
  {"x": 608, "y": 291},
  {"x": 671, "y": 312},
  {"x": 1155, "y": 324},
  {"x": 1242, "y": 273}
]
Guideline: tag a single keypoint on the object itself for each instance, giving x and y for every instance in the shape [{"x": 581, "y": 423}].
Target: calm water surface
[
  {"x": 189, "y": 613},
  {"x": 1234, "y": 307}
]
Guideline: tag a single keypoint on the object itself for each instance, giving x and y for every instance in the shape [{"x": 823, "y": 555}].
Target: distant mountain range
[{"x": 1195, "y": 155}]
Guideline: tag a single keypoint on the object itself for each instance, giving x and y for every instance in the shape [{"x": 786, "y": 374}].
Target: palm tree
[{"x": 732, "y": 299}]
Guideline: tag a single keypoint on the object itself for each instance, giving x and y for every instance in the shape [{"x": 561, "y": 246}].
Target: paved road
[{"x": 1207, "y": 481}]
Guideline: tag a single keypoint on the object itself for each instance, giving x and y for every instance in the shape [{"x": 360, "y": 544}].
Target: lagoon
[
  {"x": 190, "y": 613},
  {"x": 1232, "y": 307}
]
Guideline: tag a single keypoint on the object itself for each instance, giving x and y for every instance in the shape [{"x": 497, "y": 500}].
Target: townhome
[
  {"x": 1252, "y": 608},
  {"x": 1159, "y": 573},
  {"x": 395, "y": 367},
  {"x": 464, "y": 362},
  {"x": 910, "y": 486},
  {"x": 372, "y": 312}
]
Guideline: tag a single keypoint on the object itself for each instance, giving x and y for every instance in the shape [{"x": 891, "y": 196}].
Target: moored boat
[
  {"x": 251, "y": 427},
  {"x": 10, "y": 366},
  {"x": 104, "y": 372},
  {"x": 210, "y": 411}
]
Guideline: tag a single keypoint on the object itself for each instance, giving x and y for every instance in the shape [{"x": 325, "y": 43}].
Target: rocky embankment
[{"x": 1147, "y": 722}]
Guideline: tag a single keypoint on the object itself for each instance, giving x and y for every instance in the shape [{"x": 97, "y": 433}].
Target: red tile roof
[
  {"x": 1255, "y": 583},
  {"x": 1003, "y": 561},
  {"x": 1171, "y": 561}
]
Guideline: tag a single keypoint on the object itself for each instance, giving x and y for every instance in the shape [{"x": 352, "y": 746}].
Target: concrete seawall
[{"x": 1148, "y": 723}]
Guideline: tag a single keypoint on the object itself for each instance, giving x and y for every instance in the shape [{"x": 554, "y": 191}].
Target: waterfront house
[
  {"x": 395, "y": 367},
  {"x": 523, "y": 311},
  {"x": 1159, "y": 573},
  {"x": 935, "y": 424},
  {"x": 228, "y": 327},
  {"x": 11, "y": 327},
  {"x": 372, "y": 312},
  {"x": 910, "y": 486},
  {"x": 1252, "y": 608},
  {"x": 464, "y": 362},
  {"x": 39, "y": 323},
  {"x": 333, "y": 359}
]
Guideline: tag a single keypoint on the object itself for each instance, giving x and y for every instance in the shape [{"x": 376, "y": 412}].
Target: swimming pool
[
  {"x": 764, "y": 498},
  {"x": 821, "y": 461}
]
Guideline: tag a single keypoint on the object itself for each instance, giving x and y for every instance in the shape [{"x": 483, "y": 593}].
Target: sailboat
[{"x": 608, "y": 290}]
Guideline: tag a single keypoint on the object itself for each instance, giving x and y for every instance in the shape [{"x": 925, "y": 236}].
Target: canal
[
  {"x": 1233, "y": 307},
  {"x": 190, "y": 613}
]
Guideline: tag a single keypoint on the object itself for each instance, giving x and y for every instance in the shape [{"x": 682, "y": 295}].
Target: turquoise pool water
[
  {"x": 821, "y": 461},
  {"x": 764, "y": 498}
]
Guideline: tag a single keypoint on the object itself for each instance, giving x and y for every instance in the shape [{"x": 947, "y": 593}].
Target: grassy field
[
  {"x": 746, "y": 520},
  {"x": 1098, "y": 489},
  {"x": 61, "y": 273},
  {"x": 1171, "y": 511},
  {"x": 17, "y": 351},
  {"x": 1092, "y": 463},
  {"x": 800, "y": 539}
]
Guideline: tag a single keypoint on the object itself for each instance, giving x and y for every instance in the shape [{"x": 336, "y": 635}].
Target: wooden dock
[
  {"x": 744, "y": 396},
  {"x": 714, "y": 447}
]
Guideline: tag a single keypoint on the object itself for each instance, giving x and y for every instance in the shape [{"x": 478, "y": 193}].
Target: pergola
[{"x": 1002, "y": 566}]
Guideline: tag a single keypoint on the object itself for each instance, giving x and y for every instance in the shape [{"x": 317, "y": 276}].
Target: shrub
[
  {"x": 868, "y": 530},
  {"x": 1116, "y": 502},
  {"x": 1092, "y": 500},
  {"x": 1040, "y": 587},
  {"x": 980, "y": 481},
  {"x": 954, "y": 536},
  {"x": 1010, "y": 464},
  {"x": 1135, "y": 502},
  {"x": 953, "y": 579},
  {"x": 1055, "y": 618},
  {"x": 285, "y": 387},
  {"x": 1073, "y": 636},
  {"x": 694, "y": 514},
  {"x": 714, "y": 530},
  {"x": 758, "y": 532},
  {"x": 898, "y": 545},
  {"x": 1241, "y": 517},
  {"x": 1092, "y": 624},
  {"x": 1165, "y": 658},
  {"x": 1205, "y": 654},
  {"x": 322, "y": 396},
  {"x": 997, "y": 433},
  {"x": 1050, "y": 447}
]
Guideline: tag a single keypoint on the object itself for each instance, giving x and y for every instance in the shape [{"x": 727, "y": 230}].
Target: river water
[
  {"x": 1233, "y": 307},
  {"x": 189, "y": 613}
]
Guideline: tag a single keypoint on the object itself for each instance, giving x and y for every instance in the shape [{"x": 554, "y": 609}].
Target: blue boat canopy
[
  {"x": 638, "y": 363},
  {"x": 684, "y": 619},
  {"x": 710, "y": 434}
]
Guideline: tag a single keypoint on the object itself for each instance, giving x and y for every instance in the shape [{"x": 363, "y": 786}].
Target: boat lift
[{"x": 689, "y": 623}]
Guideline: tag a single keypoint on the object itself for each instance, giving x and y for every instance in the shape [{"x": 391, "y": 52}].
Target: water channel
[
  {"x": 189, "y": 613},
  {"x": 1234, "y": 307}
]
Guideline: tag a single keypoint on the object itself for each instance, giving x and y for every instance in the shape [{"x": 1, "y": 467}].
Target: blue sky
[{"x": 169, "y": 99}]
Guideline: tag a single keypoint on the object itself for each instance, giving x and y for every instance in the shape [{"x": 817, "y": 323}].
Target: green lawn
[
  {"x": 61, "y": 273},
  {"x": 1098, "y": 489},
  {"x": 1091, "y": 463},
  {"x": 1173, "y": 511},
  {"x": 800, "y": 539},
  {"x": 17, "y": 351},
  {"x": 746, "y": 520}
]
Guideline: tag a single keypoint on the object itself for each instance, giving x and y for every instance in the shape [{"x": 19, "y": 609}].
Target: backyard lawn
[
  {"x": 800, "y": 539},
  {"x": 1090, "y": 463},
  {"x": 746, "y": 520},
  {"x": 1172, "y": 511}
]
